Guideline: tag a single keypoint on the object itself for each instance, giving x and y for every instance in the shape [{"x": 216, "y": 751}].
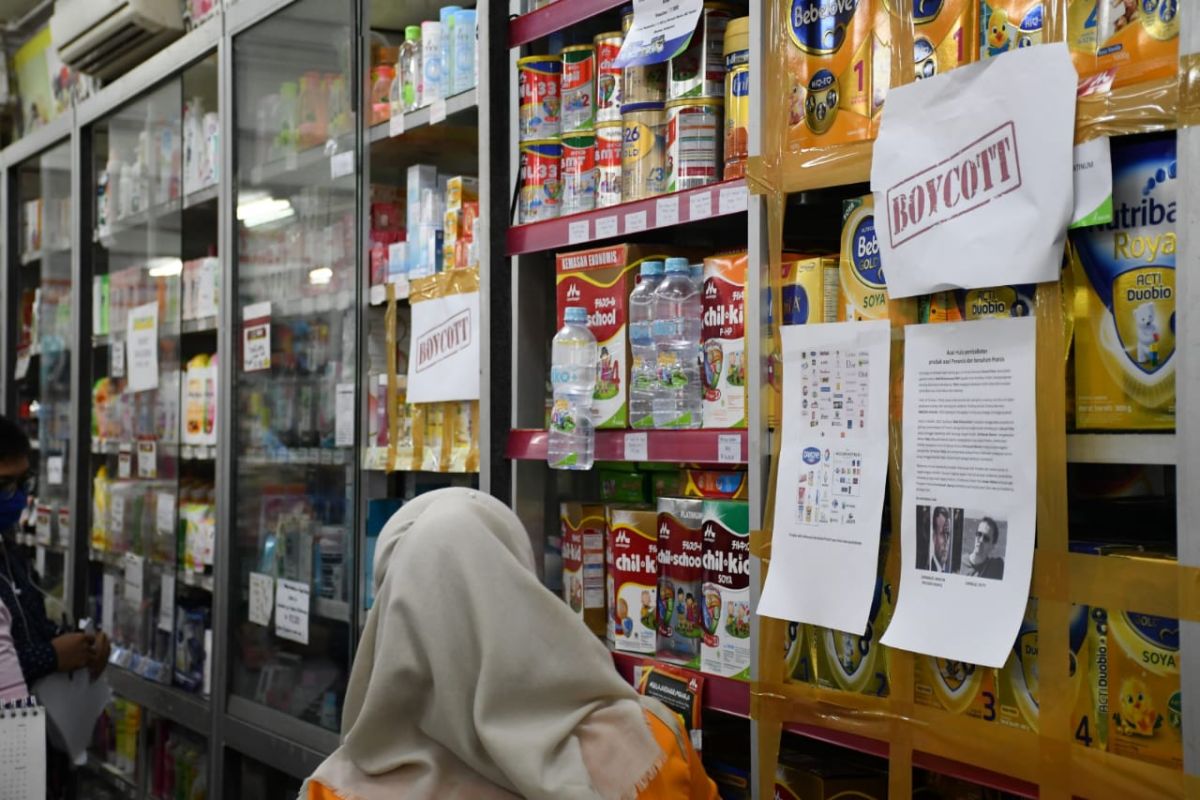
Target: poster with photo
[
  {"x": 969, "y": 495},
  {"x": 832, "y": 472}
]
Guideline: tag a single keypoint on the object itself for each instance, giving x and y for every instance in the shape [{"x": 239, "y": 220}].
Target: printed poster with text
[
  {"x": 832, "y": 471},
  {"x": 969, "y": 489}
]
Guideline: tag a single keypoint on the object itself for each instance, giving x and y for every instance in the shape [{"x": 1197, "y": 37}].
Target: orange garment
[{"x": 681, "y": 777}]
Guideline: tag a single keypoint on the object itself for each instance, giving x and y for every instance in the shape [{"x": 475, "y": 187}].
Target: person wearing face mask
[{"x": 41, "y": 647}]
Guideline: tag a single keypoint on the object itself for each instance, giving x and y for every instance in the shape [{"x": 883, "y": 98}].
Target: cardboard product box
[
  {"x": 461, "y": 189},
  {"x": 680, "y": 574},
  {"x": 862, "y": 288},
  {"x": 725, "y": 613},
  {"x": 632, "y": 555},
  {"x": 945, "y": 36},
  {"x": 804, "y": 777},
  {"x": 723, "y": 340},
  {"x": 714, "y": 484},
  {"x": 583, "y": 526}
]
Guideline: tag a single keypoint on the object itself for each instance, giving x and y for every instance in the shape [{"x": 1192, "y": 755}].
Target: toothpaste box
[
  {"x": 632, "y": 556},
  {"x": 680, "y": 574},
  {"x": 723, "y": 340},
  {"x": 725, "y": 612}
]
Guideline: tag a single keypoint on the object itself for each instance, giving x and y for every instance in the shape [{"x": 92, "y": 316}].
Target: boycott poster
[
  {"x": 443, "y": 362},
  {"x": 972, "y": 174},
  {"x": 969, "y": 492},
  {"x": 832, "y": 470}
]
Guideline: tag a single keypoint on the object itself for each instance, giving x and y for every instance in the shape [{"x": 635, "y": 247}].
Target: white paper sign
[
  {"x": 1093, "y": 183},
  {"x": 700, "y": 205},
  {"x": 54, "y": 470},
  {"x": 141, "y": 337},
  {"x": 344, "y": 411},
  {"x": 970, "y": 489},
  {"x": 125, "y": 464},
  {"x": 606, "y": 227},
  {"x": 262, "y": 598},
  {"x": 577, "y": 231},
  {"x": 135, "y": 578},
  {"x": 116, "y": 362},
  {"x": 166, "y": 603},
  {"x": 972, "y": 180},
  {"x": 666, "y": 211},
  {"x": 147, "y": 458},
  {"x": 729, "y": 448},
  {"x": 108, "y": 602},
  {"x": 637, "y": 447},
  {"x": 164, "y": 515},
  {"x": 291, "y": 610},
  {"x": 256, "y": 337},
  {"x": 443, "y": 361},
  {"x": 660, "y": 30},
  {"x": 832, "y": 472}
]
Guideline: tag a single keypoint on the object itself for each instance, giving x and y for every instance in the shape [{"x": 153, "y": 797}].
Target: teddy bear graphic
[{"x": 1145, "y": 322}]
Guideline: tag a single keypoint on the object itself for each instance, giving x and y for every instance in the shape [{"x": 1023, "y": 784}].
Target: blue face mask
[{"x": 11, "y": 508}]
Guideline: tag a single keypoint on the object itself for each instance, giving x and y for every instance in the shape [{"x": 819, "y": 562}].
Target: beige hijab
[{"x": 473, "y": 681}]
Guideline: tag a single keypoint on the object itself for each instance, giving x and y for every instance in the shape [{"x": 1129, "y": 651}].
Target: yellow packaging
[
  {"x": 1145, "y": 705},
  {"x": 853, "y": 663},
  {"x": 955, "y": 686},
  {"x": 829, "y": 61},
  {"x": 1008, "y": 25},
  {"x": 461, "y": 189},
  {"x": 798, "y": 656},
  {"x": 462, "y": 418},
  {"x": 1136, "y": 41},
  {"x": 810, "y": 290},
  {"x": 433, "y": 455},
  {"x": 862, "y": 288},
  {"x": 944, "y": 36}
]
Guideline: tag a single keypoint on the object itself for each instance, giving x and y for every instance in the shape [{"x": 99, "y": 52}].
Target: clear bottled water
[
  {"x": 676, "y": 331},
  {"x": 573, "y": 363},
  {"x": 643, "y": 372},
  {"x": 410, "y": 74},
  {"x": 696, "y": 273}
]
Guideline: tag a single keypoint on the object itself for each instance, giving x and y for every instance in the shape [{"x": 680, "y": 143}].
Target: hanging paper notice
[
  {"x": 970, "y": 489},
  {"x": 291, "y": 610},
  {"x": 116, "y": 361},
  {"x": 141, "y": 337},
  {"x": 661, "y": 29},
  {"x": 972, "y": 180},
  {"x": 262, "y": 598},
  {"x": 166, "y": 603},
  {"x": 54, "y": 470},
  {"x": 832, "y": 471},
  {"x": 344, "y": 407},
  {"x": 108, "y": 602},
  {"x": 135, "y": 578},
  {"x": 256, "y": 337},
  {"x": 1093, "y": 184},
  {"x": 443, "y": 362},
  {"x": 147, "y": 458}
]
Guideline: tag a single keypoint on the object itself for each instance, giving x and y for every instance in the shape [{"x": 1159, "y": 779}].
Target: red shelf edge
[
  {"x": 550, "y": 234},
  {"x": 681, "y": 447},
  {"x": 555, "y": 17},
  {"x": 724, "y": 695}
]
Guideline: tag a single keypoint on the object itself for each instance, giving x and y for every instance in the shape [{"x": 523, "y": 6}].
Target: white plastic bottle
[
  {"x": 410, "y": 69},
  {"x": 676, "y": 329},
  {"x": 574, "y": 361},
  {"x": 643, "y": 374},
  {"x": 431, "y": 61}
]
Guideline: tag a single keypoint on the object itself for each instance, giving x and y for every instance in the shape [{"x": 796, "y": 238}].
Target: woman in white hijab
[{"x": 474, "y": 682}]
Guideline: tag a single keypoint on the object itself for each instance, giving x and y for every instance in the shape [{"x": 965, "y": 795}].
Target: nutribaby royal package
[{"x": 1125, "y": 316}]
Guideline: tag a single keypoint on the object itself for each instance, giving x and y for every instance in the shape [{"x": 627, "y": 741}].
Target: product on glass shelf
[
  {"x": 432, "y": 66},
  {"x": 723, "y": 340},
  {"x": 644, "y": 152},
  {"x": 632, "y": 556},
  {"x": 578, "y": 172},
  {"x": 578, "y": 88},
  {"x": 609, "y": 146},
  {"x": 694, "y": 133},
  {"x": 863, "y": 291},
  {"x": 190, "y": 652},
  {"x": 464, "y": 73},
  {"x": 583, "y": 562},
  {"x": 725, "y": 646},
  {"x": 699, "y": 71},
  {"x": 678, "y": 401},
  {"x": 810, "y": 290},
  {"x": 539, "y": 79},
  {"x": 714, "y": 484},
  {"x": 608, "y": 78},
  {"x": 680, "y": 576},
  {"x": 200, "y": 401},
  {"x": 1010, "y": 25},
  {"x": 1125, "y": 327},
  {"x": 737, "y": 97},
  {"x": 830, "y": 96},
  {"x": 541, "y": 180},
  {"x": 573, "y": 371},
  {"x": 643, "y": 365},
  {"x": 383, "y": 78},
  {"x": 448, "y": 17},
  {"x": 410, "y": 70}
]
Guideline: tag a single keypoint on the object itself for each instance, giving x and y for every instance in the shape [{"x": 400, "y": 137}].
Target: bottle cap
[
  {"x": 677, "y": 265},
  {"x": 575, "y": 314},
  {"x": 412, "y": 33},
  {"x": 651, "y": 268}
]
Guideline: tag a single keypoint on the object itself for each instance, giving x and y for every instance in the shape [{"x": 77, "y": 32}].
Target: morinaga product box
[
  {"x": 632, "y": 556},
  {"x": 723, "y": 339},
  {"x": 680, "y": 571},
  {"x": 725, "y": 530},
  {"x": 583, "y": 562}
]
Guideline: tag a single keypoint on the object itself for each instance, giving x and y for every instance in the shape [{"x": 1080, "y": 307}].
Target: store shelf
[
  {"x": 188, "y": 710},
  {"x": 114, "y": 777},
  {"x": 203, "y": 325},
  {"x": 673, "y": 447},
  {"x": 726, "y": 695},
  {"x": 555, "y": 17},
  {"x": 136, "y": 220},
  {"x": 198, "y": 452},
  {"x": 452, "y": 107},
  {"x": 196, "y": 580},
  {"x": 315, "y": 163},
  {"x": 301, "y": 456},
  {"x": 201, "y": 196},
  {"x": 37, "y": 255},
  {"x": 977, "y": 775},
  {"x": 107, "y": 447},
  {"x": 1122, "y": 448},
  {"x": 665, "y": 211}
]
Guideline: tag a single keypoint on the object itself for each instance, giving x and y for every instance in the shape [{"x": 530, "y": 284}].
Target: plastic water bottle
[
  {"x": 696, "y": 273},
  {"x": 676, "y": 330},
  {"x": 643, "y": 372},
  {"x": 410, "y": 69},
  {"x": 574, "y": 360}
]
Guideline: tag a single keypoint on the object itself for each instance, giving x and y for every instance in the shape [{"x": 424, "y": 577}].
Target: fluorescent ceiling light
[
  {"x": 259, "y": 208},
  {"x": 320, "y": 276},
  {"x": 164, "y": 267}
]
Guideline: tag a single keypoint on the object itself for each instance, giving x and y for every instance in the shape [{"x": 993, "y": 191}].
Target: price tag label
[
  {"x": 577, "y": 232},
  {"x": 147, "y": 459},
  {"x": 666, "y": 211},
  {"x": 135, "y": 578},
  {"x": 39, "y": 560},
  {"x": 124, "y": 465},
  {"x": 256, "y": 337},
  {"x": 341, "y": 165},
  {"x": 54, "y": 470},
  {"x": 396, "y": 125},
  {"x": 108, "y": 602},
  {"x": 606, "y": 227},
  {"x": 116, "y": 362},
  {"x": 262, "y": 598},
  {"x": 637, "y": 447},
  {"x": 344, "y": 408},
  {"x": 635, "y": 221},
  {"x": 166, "y": 603},
  {"x": 164, "y": 515},
  {"x": 729, "y": 448},
  {"x": 733, "y": 199},
  {"x": 292, "y": 599},
  {"x": 700, "y": 205},
  {"x": 437, "y": 112}
]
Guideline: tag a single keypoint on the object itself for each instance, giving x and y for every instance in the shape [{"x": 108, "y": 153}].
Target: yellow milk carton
[
  {"x": 945, "y": 33},
  {"x": 1127, "y": 41},
  {"x": 1008, "y": 25},
  {"x": 955, "y": 686},
  {"x": 863, "y": 291},
  {"x": 1145, "y": 707},
  {"x": 1125, "y": 326}
]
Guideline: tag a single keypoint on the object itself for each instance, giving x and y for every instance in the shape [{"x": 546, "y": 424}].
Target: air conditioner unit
[{"x": 104, "y": 38}]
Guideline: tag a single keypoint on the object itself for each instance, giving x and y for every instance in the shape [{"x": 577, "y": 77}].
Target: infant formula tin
[
  {"x": 644, "y": 84},
  {"x": 694, "y": 133},
  {"x": 609, "y": 144},
  {"x": 539, "y": 81},
  {"x": 699, "y": 71},
  {"x": 578, "y": 172},
  {"x": 1008, "y": 25},
  {"x": 578, "y": 88},
  {"x": 737, "y": 97},
  {"x": 608, "y": 78},
  {"x": 643, "y": 150},
  {"x": 1138, "y": 41},
  {"x": 944, "y": 35},
  {"x": 541, "y": 180},
  {"x": 863, "y": 290}
]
